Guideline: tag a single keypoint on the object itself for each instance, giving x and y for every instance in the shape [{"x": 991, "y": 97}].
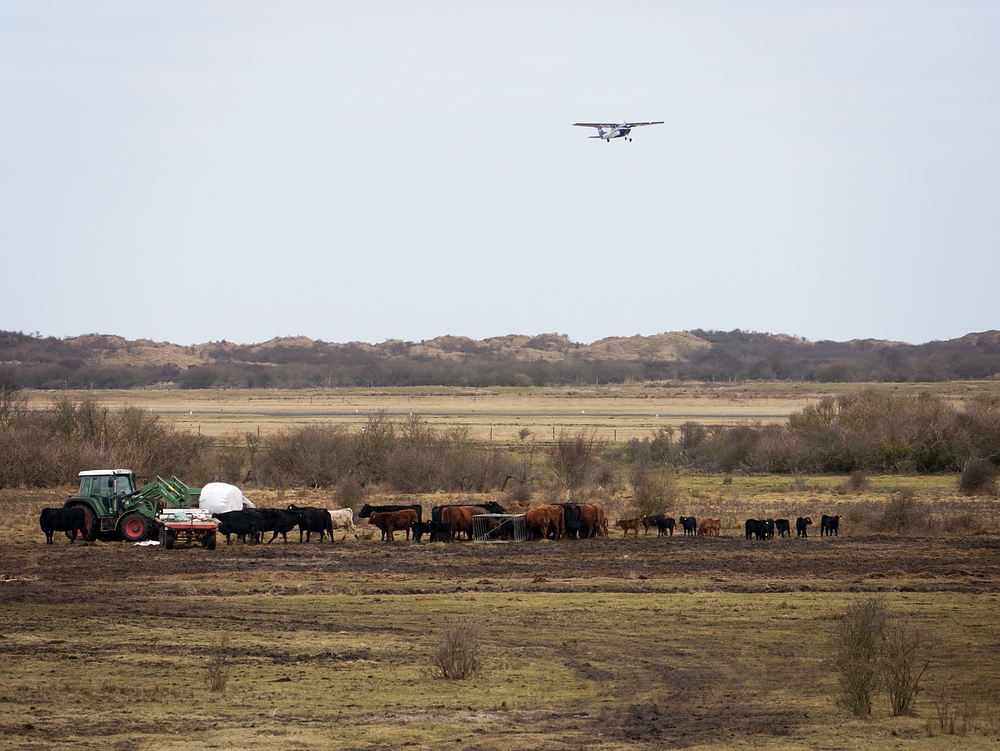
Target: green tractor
[{"x": 115, "y": 508}]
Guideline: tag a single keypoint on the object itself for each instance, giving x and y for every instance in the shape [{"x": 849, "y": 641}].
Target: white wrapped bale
[{"x": 219, "y": 497}]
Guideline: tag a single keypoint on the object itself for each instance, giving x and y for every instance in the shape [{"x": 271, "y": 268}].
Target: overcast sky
[{"x": 197, "y": 171}]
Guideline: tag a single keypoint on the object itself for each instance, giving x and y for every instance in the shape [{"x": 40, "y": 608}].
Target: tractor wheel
[
  {"x": 90, "y": 523},
  {"x": 209, "y": 541},
  {"x": 134, "y": 527}
]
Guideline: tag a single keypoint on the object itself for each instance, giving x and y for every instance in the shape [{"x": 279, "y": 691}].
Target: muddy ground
[{"x": 58, "y": 572}]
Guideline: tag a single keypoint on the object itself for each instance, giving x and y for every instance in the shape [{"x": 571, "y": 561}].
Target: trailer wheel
[
  {"x": 134, "y": 527},
  {"x": 167, "y": 538},
  {"x": 209, "y": 541}
]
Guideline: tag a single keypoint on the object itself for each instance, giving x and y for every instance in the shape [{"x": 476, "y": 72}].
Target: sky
[{"x": 204, "y": 171}]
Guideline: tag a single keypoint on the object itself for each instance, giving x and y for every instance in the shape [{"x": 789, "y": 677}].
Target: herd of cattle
[{"x": 449, "y": 522}]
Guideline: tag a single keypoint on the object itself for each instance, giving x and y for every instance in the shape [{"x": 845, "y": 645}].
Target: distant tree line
[{"x": 51, "y": 363}]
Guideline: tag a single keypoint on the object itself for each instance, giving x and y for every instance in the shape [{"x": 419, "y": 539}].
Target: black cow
[
  {"x": 768, "y": 529},
  {"x": 576, "y": 527},
  {"x": 419, "y": 529},
  {"x": 755, "y": 528},
  {"x": 650, "y": 520},
  {"x": 313, "y": 520},
  {"x": 243, "y": 524},
  {"x": 690, "y": 525},
  {"x": 440, "y": 531},
  {"x": 782, "y": 527},
  {"x": 665, "y": 524},
  {"x": 68, "y": 520},
  {"x": 493, "y": 507},
  {"x": 829, "y": 525},
  {"x": 800, "y": 526},
  {"x": 278, "y": 521}
]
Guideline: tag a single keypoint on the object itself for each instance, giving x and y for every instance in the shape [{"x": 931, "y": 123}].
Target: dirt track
[{"x": 967, "y": 564}]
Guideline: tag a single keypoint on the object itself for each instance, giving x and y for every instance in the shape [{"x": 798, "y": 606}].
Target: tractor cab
[{"x": 107, "y": 487}]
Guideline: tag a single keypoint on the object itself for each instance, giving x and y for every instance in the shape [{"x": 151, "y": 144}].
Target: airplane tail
[{"x": 600, "y": 133}]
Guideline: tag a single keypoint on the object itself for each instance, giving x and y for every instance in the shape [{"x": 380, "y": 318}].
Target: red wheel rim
[{"x": 134, "y": 527}]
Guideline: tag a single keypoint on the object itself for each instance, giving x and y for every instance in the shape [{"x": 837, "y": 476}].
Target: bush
[
  {"x": 876, "y": 651},
  {"x": 218, "y": 666},
  {"x": 902, "y": 513},
  {"x": 349, "y": 493},
  {"x": 899, "y": 663},
  {"x": 655, "y": 492},
  {"x": 857, "y": 482},
  {"x": 979, "y": 477},
  {"x": 457, "y": 656},
  {"x": 574, "y": 457},
  {"x": 857, "y": 644}
]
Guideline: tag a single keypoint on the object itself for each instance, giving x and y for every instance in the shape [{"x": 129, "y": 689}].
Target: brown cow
[
  {"x": 627, "y": 524},
  {"x": 460, "y": 518},
  {"x": 594, "y": 521},
  {"x": 544, "y": 520},
  {"x": 390, "y": 521},
  {"x": 709, "y": 526}
]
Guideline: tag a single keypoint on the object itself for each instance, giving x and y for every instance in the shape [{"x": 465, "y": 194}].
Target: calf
[
  {"x": 800, "y": 526},
  {"x": 829, "y": 525},
  {"x": 440, "y": 532},
  {"x": 367, "y": 510},
  {"x": 710, "y": 526},
  {"x": 768, "y": 529},
  {"x": 68, "y": 520},
  {"x": 626, "y": 524},
  {"x": 650, "y": 520},
  {"x": 391, "y": 521},
  {"x": 243, "y": 524},
  {"x": 755, "y": 528},
  {"x": 419, "y": 529},
  {"x": 782, "y": 527},
  {"x": 664, "y": 525},
  {"x": 690, "y": 525}
]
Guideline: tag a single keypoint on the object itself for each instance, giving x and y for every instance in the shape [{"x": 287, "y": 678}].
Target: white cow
[{"x": 344, "y": 519}]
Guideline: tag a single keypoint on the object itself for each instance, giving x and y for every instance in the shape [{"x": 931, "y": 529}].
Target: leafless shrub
[
  {"x": 518, "y": 494},
  {"x": 903, "y": 512},
  {"x": 956, "y": 710},
  {"x": 349, "y": 492},
  {"x": 457, "y": 655},
  {"x": 857, "y": 643},
  {"x": 857, "y": 482},
  {"x": 727, "y": 479},
  {"x": 655, "y": 491},
  {"x": 979, "y": 477},
  {"x": 218, "y": 666},
  {"x": 874, "y": 651},
  {"x": 900, "y": 665},
  {"x": 573, "y": 457}
]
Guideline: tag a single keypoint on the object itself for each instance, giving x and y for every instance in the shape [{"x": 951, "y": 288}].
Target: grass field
[
  {"x": 599, "y": 644},
  {"x": 615, "y": 412}
]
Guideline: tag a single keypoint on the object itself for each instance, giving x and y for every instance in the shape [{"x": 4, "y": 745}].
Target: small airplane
[{"x": 614, "y": 130}]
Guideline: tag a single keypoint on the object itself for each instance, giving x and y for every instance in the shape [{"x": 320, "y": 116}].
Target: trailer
[{"x": 187, "y": 526}]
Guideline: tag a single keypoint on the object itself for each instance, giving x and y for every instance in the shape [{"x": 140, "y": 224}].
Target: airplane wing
[
  {"x": 598, "y": 125},
  {"x": 636, "y": 125}
]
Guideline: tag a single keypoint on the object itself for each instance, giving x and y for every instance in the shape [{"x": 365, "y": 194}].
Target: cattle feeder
[
  {"x": 187, "y": 526},
  {"x": 499, "y": 528}
]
